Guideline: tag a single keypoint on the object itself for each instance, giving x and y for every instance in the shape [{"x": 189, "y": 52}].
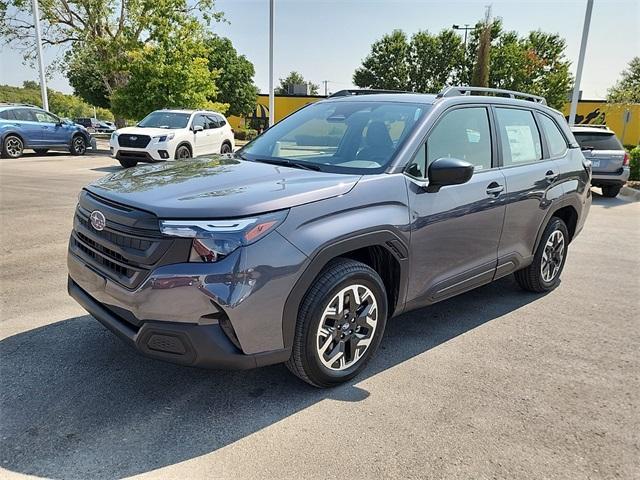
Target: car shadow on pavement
[
  {"x": 110, "y": 169},
  {"x": 77, "y": 403}
]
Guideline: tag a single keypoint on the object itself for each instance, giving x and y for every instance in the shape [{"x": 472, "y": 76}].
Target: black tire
[
  {"x": 12, "y": 147},
  {"x": 41, "y": 151},
  {"x": 532, "y": 278},
  {"x": 611, "y": 191},
  {"x": 183, "y": 152},
  {"x": 78, "y": 145},
  {"x": 128, "y": 163},
  {"x": 305, "y": 360},
  {"x": 226, "y": 148}
]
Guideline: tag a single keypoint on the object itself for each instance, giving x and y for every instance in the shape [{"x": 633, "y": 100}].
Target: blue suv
[{"x": 25, "y": 126}]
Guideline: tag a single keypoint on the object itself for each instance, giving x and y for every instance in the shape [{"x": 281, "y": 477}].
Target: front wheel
[
  {"x": 12, "y": 147},
  {"x": 340, "y": 324},
  {"x": 183, "y": 152},
  {"x": 128, "y": 163},
  {"x": 544, "y": 272},
  {"x": 78, "y": 145},
  {"x": 611, "y": 191}
]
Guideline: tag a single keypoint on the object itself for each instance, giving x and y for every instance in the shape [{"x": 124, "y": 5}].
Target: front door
[
  {"x": 54, "y": 132},
  {"x": 455, "y": 231},
  {"x": 29, "y": 127}
]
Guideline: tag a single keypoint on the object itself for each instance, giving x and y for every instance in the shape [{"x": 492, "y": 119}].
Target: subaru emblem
[
  {"x": 133, "y": 139},
  {"x": 98, "y": 222}
]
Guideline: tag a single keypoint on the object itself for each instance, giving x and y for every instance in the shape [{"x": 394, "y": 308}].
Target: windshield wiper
[{"x": 285, "y": 162}]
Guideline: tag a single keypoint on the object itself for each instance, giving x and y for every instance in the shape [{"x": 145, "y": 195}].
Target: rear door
[
  {"x": 455, "y": 231},
  {"x": 533, "y": 184},
  {"x": 603, "y": 149}
]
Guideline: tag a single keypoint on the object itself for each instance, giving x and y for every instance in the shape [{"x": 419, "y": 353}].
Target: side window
[
  {"x": 519, "y": 136},
  {"x": 555, "y": 139},
  {"x": 45, "y": 117},
  {"x": 24, "y": 115},
  {"x": 7, "y": 115},
  {"x": 464, "y": 134},
  {"x": 200, "y": 120}
]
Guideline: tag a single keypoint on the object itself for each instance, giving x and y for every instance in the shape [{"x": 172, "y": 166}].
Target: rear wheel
[
  {"x": 12, "y": 147},
  {"x": 226, "y": 148},
  {"x": 544, "y": 272},
  {"x": 127, "y": 163},
  {"x": 183, "y": 152},
  {"x": 611, "y": 191},
  {"x": 41, "y": 151},
  {"x": 78, "y": 145},
  {"x": 340, "y": 324}
]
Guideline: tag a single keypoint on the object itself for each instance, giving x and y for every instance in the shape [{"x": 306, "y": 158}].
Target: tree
[
  {"x": 627, "y": 89},
  {"x": 235, "y": 77},
  {"x": 386, "y": 67},
  {"x": 434, "y": 61},
  {"x": 112, "y": 37},
  {"x": 480, "y": 76},
  {"x": 294, "y": 78}
]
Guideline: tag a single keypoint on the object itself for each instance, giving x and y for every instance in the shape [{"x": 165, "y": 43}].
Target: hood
[
  {"x": 218, "y": 187},
  {"x": 151, "y": 131}
]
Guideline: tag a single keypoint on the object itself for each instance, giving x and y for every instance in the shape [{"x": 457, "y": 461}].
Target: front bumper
[
  {"x": 619, "y": 177},
  {"x": 156, "y": 152}
]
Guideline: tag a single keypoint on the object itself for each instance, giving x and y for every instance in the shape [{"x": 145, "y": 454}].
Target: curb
[{"x": 630, "y": 193}]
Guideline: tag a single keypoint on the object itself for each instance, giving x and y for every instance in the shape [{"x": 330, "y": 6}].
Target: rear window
[{"x": 598, "y": 141}]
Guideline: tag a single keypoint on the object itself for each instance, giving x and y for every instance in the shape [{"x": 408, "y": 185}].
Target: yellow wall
[
  {"x": 612, "y": 115},
  {"x": 594, "y": 112}
]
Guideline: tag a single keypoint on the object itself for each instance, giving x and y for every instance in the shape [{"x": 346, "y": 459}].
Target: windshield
[
  {"x": 598, "y": 141},
  {"x": 348, "y": 137},
  {"x": 165, "y": 120}
]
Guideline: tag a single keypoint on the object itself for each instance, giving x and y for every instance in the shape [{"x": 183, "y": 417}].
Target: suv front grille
[
  {"x": 129, "y": 246},
  {"x": 133, "y": 141}
]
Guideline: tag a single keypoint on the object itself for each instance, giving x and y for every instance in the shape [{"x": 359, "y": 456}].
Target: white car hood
[{"x": 152, "y": 132}]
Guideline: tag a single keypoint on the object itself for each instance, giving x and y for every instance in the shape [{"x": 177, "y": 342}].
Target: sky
[{"x": 328, "y": 39}]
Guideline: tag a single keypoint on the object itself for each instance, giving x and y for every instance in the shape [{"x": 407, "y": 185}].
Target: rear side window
[
  {"x": 555, "y": 139},
  {"x": 598, "y": 141},
  {"x": 7, "y": 115},
  {"x": 519, "y": 136}
]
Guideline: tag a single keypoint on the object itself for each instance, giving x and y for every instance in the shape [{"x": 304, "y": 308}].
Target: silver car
[{"x": 609, "y": 159}]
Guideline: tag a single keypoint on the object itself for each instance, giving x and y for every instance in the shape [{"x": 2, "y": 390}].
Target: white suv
[{"x": 172, "y": 134}]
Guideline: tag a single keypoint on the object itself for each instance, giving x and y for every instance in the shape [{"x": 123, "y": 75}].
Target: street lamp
[{"x": 466, "y": 29}]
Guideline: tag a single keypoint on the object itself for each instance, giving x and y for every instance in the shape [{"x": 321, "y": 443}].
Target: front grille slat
[{"x": 133, "y": 141}]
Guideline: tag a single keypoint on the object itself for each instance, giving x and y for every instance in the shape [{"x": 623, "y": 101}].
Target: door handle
[
  {"x": 550, "y": 175},
  {"x": 494, "y": 189}
]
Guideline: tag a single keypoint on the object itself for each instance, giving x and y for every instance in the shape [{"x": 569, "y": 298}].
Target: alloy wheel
[
  {"x": 184, "y": 153},
  {"x": 14, "y": 147},
  {"x": 552, "y": 256},
  {"x": 79, "y": 146},
  {"x": 347, "y": 327}
]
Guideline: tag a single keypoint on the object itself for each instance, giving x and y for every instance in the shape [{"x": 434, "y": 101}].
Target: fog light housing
[{"x": 163, "y": 154}]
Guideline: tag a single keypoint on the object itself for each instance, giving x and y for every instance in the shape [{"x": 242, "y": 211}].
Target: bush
[
  {"x": 245, "y": 134},
  {"x": 634, "y": 164}
]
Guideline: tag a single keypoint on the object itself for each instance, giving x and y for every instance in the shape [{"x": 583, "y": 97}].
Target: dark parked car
[
  {"x": 609, "y": 159},
  {"x": 300, "y": 247},
  {"x": 26, "y": 126}
]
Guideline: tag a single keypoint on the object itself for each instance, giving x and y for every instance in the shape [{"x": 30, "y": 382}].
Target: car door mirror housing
[
  {"x": 448, "y": 171},
  {"x": 198, "y": 128}
]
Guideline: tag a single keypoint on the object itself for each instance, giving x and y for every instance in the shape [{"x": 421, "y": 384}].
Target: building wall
[{"x": 589, "y": 112}]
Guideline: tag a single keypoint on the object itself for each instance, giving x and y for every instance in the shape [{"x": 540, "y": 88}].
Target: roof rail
[
  {"x": 363, "y": 91},
  {"x": 592, "y": 125},
  {"x": 17, "y": 104},
  {"x": 462, "y": 90}
]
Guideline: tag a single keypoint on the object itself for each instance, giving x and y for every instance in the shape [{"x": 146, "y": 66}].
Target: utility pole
[
  {"x": 271, "y": 93},
  {"x": 43, "y": 80},
  {"x": 583, "y": 48},
  {"x": 326, "y": 87}
]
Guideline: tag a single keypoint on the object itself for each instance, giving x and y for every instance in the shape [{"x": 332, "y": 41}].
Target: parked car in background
[
  {"x": 105, "y": 127},
  {"x": 91, "y": 124},
  {"x": 172, "y": 134},
  {"x": 348, "y": 212},
  {"x": 26, "y": 126},
  {"x": 609, "y": 159}
]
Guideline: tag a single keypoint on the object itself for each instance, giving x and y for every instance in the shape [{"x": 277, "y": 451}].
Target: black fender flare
[
  {"x": 15, "y": 134},
  {"x": 386, "y": 239},
  {"x": 184, "y": 143},
  {"x": 570, "y": 201}
]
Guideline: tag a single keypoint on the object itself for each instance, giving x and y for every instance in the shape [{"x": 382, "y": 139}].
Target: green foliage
[
  {"x": 535, "y": 63},
  {"x": 387, "y": 66},
  {"x": 627, "y": 89},
  {"x": 294, "y": 78},
  {"x": 61, "y": 104},
  {"x": 245, "y": 133},
  {"x": 634, "y": 164},
  {"x": 235, "y": 77}
]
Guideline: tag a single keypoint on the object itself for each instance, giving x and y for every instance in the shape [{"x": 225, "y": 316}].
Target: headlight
[
  {"x": 164, "y": 138},
  {"x": 215, "y": 239}
]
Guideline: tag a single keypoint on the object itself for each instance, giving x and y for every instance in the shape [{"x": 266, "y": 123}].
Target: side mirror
[
  {"x": 197, "y": 128},
  {"x": 448, "y": 171}
]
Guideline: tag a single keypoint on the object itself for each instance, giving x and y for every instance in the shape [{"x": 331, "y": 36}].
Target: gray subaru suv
[{"x": 299, "y": 247}]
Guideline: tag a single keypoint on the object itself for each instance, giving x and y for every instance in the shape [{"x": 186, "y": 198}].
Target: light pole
[
  {"x": 271, "y": 94},
  {"x": 466, "y": 29},
  {"x": 583, "y": 48},
  {"x": 43, "y": 80}
]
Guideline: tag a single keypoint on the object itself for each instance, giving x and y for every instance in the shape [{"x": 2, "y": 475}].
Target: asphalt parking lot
[{"x": 496, "y": 383}]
